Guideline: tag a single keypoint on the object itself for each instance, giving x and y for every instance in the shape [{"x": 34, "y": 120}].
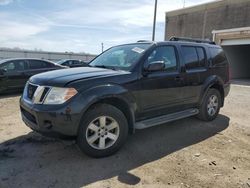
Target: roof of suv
[{"x": 184, "y": 41}]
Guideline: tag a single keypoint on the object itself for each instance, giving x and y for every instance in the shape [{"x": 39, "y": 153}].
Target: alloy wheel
[
  {"x": 213, "y": 104},
  {"x": 102, "y": 132}
]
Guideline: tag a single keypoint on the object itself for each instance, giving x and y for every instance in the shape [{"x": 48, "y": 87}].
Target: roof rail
[{"x": 191, "y": 40}]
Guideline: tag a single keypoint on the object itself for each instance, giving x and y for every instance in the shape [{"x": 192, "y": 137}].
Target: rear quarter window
[
  {"x": 218, "y": 56},
  {"x": 37, "y": 64}
]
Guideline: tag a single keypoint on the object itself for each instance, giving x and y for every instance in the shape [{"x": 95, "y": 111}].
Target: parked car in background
[
  {"x": 15, "y": 72},
  {"x": 72, "y": 63}
]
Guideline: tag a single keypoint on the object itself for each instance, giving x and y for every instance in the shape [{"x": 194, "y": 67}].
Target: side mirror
[{"x": 155, "y": 66}]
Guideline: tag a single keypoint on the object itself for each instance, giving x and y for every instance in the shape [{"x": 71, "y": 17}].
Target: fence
[{"x": 53, "y": 56}]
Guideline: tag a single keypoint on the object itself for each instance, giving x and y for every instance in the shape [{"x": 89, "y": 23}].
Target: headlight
[{"x": 58, "y": 95}]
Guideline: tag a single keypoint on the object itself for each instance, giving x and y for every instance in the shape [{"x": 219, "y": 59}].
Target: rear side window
[
  {"x": 190, "y": 57},
  {"x": 194, "y": 57},
  {"x": 37, "y": 64},
  {"x": 218, "y": 56}
]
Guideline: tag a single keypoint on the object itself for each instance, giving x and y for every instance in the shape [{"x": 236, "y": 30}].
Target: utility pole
[
  {"x": 184, "y": 3},
  {"x": 153, "y": 35},
  {"x": 102, "y": 46}
]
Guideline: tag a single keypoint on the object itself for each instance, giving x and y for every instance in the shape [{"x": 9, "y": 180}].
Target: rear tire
[
  {"x": 210, "y": 106},
  {"x": 102, "y": 131}
]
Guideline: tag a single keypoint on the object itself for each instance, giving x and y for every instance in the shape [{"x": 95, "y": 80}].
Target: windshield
[
  {"x": 3, "y": 61},
  {"x": 61, "y": 61},
  {"x": 120, "y": 57}
]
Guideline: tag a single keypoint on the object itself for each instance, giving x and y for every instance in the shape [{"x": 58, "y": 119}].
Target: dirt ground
[{"x": 184, "y": 153}]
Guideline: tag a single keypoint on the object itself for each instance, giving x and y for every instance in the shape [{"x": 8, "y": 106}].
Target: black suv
[{"x": 128, "y": 87}]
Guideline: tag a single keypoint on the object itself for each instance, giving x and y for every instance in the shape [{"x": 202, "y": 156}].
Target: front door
[
  {"x": 14, "y": 75},
  {"x": 161, "y": 91}
]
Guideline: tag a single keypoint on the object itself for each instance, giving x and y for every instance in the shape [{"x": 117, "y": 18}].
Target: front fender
[{"x": 98, "y": 93}]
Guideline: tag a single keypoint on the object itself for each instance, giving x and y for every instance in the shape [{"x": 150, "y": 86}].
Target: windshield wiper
[{"x": 105, "y": 67}]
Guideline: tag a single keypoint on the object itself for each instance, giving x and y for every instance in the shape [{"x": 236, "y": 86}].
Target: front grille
[
  {"x": 45, "y": 91},
  {"x": 29, "y": 116},
  {"x": 31, "y": 90}
]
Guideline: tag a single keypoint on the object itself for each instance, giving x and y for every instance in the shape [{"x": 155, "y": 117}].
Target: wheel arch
[
  {"x": 214, "y": 82},
  {"x": 122, "y": 105},
  {"x": 120, "y": 99}
]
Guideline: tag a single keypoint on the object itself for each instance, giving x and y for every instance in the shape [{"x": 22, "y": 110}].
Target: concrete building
[
  {"x": 227, "y": 22},
  {"x": 53, "y": 56}
]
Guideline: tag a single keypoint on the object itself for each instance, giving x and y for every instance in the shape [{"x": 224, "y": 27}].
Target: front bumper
[{"x": 50, "y": 119}]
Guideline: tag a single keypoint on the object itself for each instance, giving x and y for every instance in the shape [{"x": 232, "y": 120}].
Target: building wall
[
  {"x": 53, "y": 56},
  {"x": 200, "y": 21}
]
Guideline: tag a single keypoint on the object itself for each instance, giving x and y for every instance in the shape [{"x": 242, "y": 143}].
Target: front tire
[
  {"x": 103, "y": 130},
  {"x": 210, "y": 106}
]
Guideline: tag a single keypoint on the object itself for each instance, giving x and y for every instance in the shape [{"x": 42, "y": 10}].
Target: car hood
[{"x": 62, "y": 77}]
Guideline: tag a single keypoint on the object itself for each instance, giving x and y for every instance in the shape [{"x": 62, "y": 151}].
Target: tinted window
[
  {"x": 165, "y": 54},
  {"x": 66, "y": 63},
  {"x": 75, "y": 62},
  {"x": 37, "y": 64},
  {"x": 69, "y": 62},
  {"x": 218, "y": 56},
  {"x": 201, "y": 56},
  {"x": 190, "y": 57},
  {"x": 16, "y": 65}
]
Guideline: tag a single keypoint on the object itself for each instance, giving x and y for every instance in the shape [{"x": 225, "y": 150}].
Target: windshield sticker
[{"x": 138, "y": 50}]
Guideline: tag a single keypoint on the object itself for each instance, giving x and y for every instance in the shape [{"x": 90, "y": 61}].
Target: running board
[{"x": 165, "y": 118}]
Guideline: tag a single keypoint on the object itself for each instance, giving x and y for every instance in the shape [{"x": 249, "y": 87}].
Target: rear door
[
  {"x": 194, "y": 62},
  {"x": 39, "y": 66}
]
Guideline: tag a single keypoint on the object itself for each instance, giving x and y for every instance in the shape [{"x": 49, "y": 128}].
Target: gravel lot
[{"x": 185, "y": 153}]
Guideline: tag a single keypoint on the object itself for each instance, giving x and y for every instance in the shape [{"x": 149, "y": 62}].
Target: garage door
[{"x": 230, "y": 42}]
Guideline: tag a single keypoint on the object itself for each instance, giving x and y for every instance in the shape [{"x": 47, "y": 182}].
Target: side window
[
  {"x": 9, "y": 66},
  {"x": 201, "y": 56},
  {"x": 37, "y": 64},
  {"x": 70, "y": 62},
  {"x": 66, "y": 63},
  {"x": 75, "y": 62},
  {"x": 165, "y": 54},
  {"x": 190, "y": 57},
  {"x": 218, "y": 56},
  {"x": 17, "y": 65}
]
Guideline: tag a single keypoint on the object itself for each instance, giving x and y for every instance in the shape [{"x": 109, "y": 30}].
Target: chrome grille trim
[{"x": 39, "y": 94}]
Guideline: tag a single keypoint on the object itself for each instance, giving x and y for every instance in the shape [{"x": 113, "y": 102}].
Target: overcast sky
[{"x": 81, "y": 25}]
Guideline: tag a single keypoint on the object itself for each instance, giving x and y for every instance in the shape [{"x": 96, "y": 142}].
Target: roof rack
[{"x": 191, "y": 40}]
